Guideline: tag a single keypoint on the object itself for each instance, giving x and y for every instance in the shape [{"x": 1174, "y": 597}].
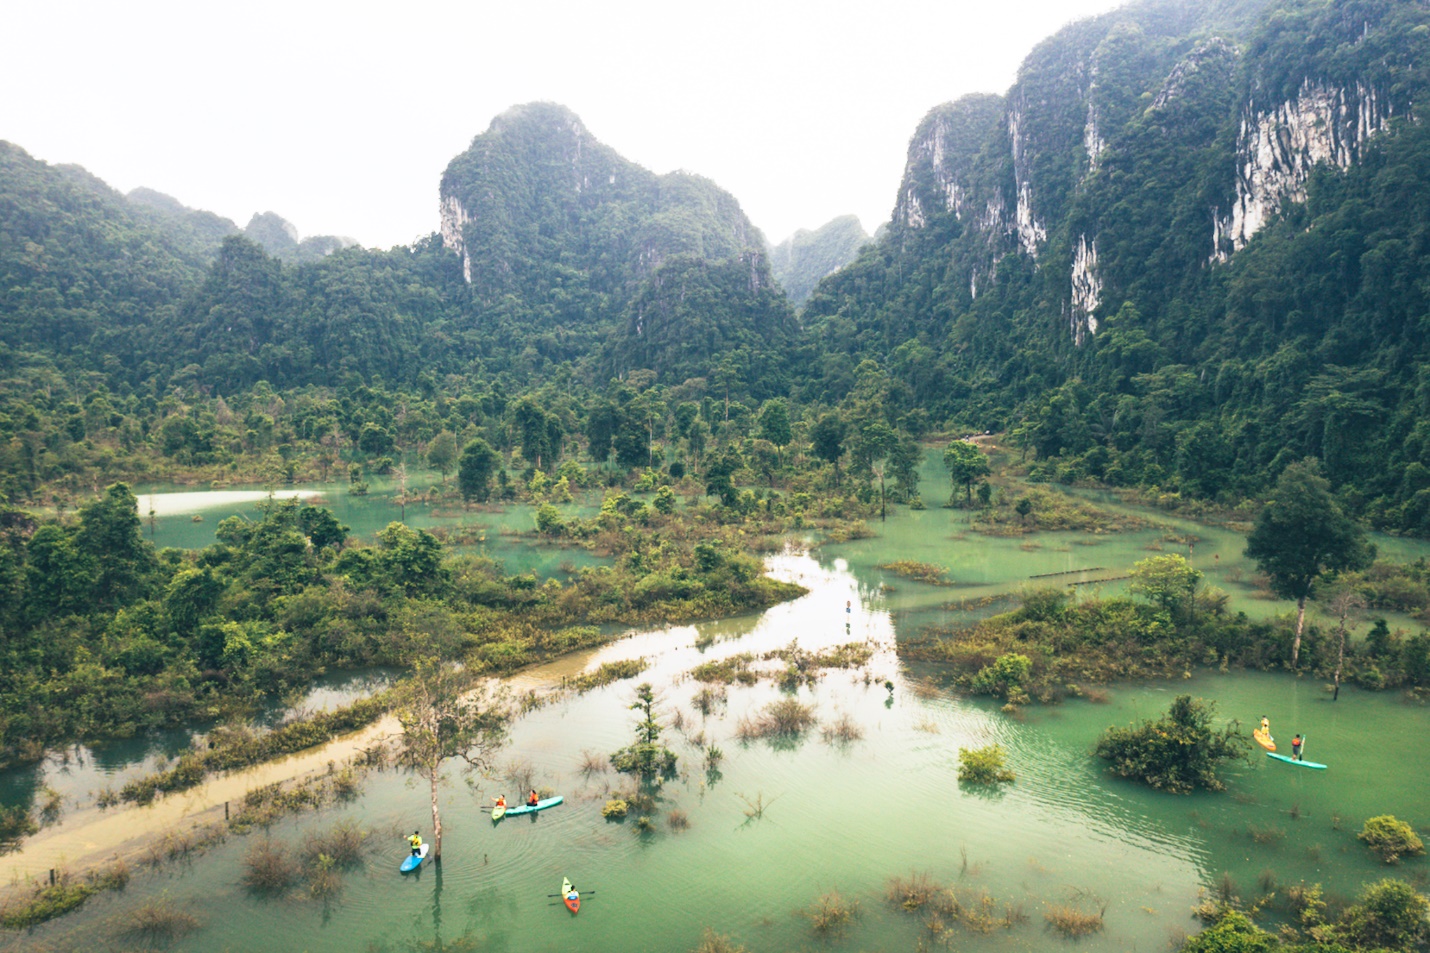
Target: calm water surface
[{"x": 837, "y": 817}]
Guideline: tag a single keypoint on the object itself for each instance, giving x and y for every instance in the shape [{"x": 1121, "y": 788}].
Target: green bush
[
  {"x": 1005, "y": 677},
  {"x": 1178, "y": 752},
  {"x": 1388, "y": 915},
  {"x": 1390, "y": 838},
  {"x": 982, "y": 766}
]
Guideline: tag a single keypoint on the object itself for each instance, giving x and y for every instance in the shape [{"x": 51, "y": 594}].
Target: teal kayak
[
  {"x": 1299, "y": 764},
  {"x": 533, "y": 808}
]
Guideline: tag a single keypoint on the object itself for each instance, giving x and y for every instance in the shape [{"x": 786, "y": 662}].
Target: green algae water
[{"x": 837, "y": 816}]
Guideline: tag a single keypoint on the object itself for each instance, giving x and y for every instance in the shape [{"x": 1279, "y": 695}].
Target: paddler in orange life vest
[
  {"x": 500, "y": 799},
  {"x": 1296, "y": 747},
  {"x": 531, "y": 799}
]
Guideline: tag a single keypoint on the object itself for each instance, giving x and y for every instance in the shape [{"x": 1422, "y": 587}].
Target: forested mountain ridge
[
  {"x": 800, "y": 261},
  {"x": 1183, "y": 251},
  {"x": 564, "y": 243}
]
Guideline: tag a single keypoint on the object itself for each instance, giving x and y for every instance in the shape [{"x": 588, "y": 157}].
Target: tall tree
[
  {"x": 446, "y": 714},
  {"x": 442, "y": 453},
  {"x": 474, "y": 471},
  {"x": 1300, "y": 535},
  {"x": 828, "y": 440},
  {"x": 109, "y": 533},
  {"x": 965, "y": 464}
]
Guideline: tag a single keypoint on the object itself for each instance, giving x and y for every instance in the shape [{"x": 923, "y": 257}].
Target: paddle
[{"x": 584, "y": 894}]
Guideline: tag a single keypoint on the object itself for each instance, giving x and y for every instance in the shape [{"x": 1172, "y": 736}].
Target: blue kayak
[
  {"x": 533, "y": 808},
  {"x": 412, "y": 861},
  {"x": 1299, "y": 764}
]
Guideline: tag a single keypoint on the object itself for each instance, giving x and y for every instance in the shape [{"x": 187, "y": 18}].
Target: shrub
[
  {"x": 160, "y": 923},
  {"x": 343, "y": 844},
  {"x": 1390, "y": 838},
  {"x": 787, "y": 716},
  {"x": 713, "y": 942},
  {"x": 1005, "y": 677},
  {"x": 912, "y": 892},
  {"x": 1072, "y": 922},
  {"x": 1178, "y": 752},
  {"x": 615, "y": 808},
  {"x": 982, "y": 766},
  {"x": 831, "y": 915},
  {"x": 1388, "y": 915},
  {"x": 269, "y": 868}
]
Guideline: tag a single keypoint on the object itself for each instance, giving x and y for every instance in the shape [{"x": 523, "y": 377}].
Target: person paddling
[
  {"x": 1296, "y": 747},
  {"x": 416, "y": 841},
  {"x": 500, "y": 800},
  {"x": 531, "y": 799},
  {"x": 1266, "y": 726}
]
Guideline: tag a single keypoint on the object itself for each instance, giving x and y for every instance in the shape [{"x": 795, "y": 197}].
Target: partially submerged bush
[
  {"x": 342, "y": 843},
  {"x": 615, "y": 808},
  {"x": 1391, "y": 838},
  {"x": 982, "y": 766},
  {"x": 269, "y": 868},
  {"x": 159, "y": 923},
  {"x": 1388, "y": 915},
  {"x": 1072, "y": 922},
  {"x": 831, "y": 915},
  {"x": 788, "y": 716},
  {"x": 1178, "y": 752},
  {"x": 842, "y": 729},
  {"x": 912, "y": 892},
  {"x": 713, "y": 942}
]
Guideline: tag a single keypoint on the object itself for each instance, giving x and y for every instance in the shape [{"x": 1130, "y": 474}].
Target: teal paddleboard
[
  {"x": 538, "y": 806},
  {"x": 1299, "y": 764}
]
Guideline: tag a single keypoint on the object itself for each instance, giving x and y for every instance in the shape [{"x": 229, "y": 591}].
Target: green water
[
  {"x": 175, "y": 510},
  {"x": 837, "y": 817},
  {"x": 843, "y": 817}
]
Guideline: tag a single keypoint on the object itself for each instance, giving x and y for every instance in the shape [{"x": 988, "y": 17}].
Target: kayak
[
  {"x": 533, "y": 808},
  {"x": 412, "y": 861},
  {"x": 1299, "y": 764},
  {"x": 570, "y": 895},
  {"x": 1264, "y": 739},
  {"x": 498, "y": 812}
]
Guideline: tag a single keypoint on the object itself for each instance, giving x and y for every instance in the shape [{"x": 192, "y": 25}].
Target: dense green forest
[
  {"x": 802, "y": 260},
  {"x": 1092, "y": 263}
]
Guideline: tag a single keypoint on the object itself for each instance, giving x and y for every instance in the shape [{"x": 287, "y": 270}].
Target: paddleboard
[
  {"x": 570, "y": 895},
  {"x": 1264, "y": 739},
  {"x": 1299, "y": 764},
  {"x": 532, "y": 809},
  {"x": 498, "y": 812},
  {"x": 412, "y": 861}
]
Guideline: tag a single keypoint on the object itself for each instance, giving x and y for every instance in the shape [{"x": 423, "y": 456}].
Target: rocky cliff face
[
  {"x": 1116, "y": 103},
  {"x": 1278, "y": 145}
]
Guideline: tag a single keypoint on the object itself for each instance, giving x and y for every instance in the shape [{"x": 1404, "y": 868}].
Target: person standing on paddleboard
[
  {"x": 416, "y": 841},
  {"x": 1296, "y": 747}
]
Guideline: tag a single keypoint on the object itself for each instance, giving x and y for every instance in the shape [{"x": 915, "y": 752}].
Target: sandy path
[{"x": 91, "y": 836}]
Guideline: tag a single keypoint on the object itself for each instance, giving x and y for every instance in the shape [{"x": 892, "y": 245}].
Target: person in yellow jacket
[{"x": 416, "y": 841}]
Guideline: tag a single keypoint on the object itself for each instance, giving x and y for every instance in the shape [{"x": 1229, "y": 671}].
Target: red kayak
[{"x": 570, "y": 896}]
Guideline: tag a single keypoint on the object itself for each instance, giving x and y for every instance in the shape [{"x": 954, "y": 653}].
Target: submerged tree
[
  {"x": 1301, "y": 535},
  {"x": 966, "y": 464},
  {"x": 445, "y": 713},
  {"x": 647, "y": 757},
  {"x": 1178, "y": 752}
]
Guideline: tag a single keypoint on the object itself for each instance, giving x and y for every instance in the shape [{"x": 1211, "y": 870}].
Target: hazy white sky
[{"x": 341, "y": 116}]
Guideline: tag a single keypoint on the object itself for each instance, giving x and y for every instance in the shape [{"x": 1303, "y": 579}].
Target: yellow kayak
[{"x": 1264, "y": 739}]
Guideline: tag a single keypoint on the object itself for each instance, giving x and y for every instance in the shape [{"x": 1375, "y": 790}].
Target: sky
[{"x": 341, "y": 117}]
